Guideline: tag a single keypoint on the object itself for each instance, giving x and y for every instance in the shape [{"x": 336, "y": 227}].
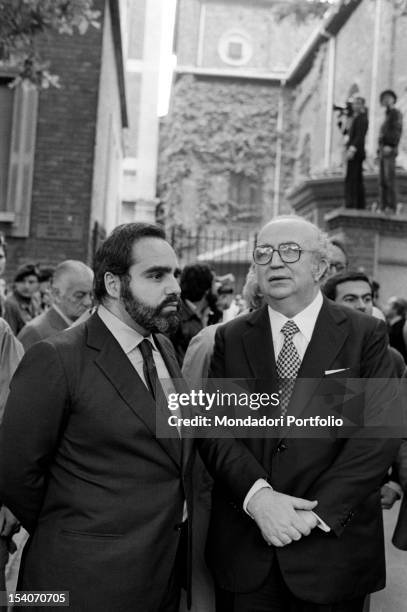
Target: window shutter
[{"x": 22, "y": 151}]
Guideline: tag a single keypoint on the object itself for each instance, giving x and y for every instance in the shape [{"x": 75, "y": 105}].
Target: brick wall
[{"x": 68, "y": 180}]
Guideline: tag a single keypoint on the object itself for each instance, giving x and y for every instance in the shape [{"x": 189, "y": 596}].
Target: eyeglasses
[
  {"x": 336, "y": 267},
  {"x": 289, "y": 252}
]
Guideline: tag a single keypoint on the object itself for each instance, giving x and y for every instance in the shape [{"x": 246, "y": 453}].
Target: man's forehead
[
  {"x": 30, "y": 278},
  {"x": 154, "y": 251},
  {"x": 357, "y": 287},
  {"x": 288, "y": 230}
]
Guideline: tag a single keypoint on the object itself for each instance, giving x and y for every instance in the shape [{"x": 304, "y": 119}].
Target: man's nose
[
  {"x": 361, "y": 305},
  {"x": 173, "y": 286},
  {"x": 276, "y": 261},
  {"x": 87, "y": 300}
]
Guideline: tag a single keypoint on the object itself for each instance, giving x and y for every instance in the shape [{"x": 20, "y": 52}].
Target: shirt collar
[
  {"x": 305, "y": 320},
  {"x": 126, "y": 336}
]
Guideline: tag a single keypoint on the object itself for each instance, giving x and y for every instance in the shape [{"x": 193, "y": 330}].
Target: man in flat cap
[
  {"x": 389, "y": 138},
  {"x": 21, "y": 306}
]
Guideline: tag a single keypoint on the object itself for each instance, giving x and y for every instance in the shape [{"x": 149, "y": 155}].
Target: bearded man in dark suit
[
  {"x": 104, "y": 499},
  {"x": 304, "y": 532}
]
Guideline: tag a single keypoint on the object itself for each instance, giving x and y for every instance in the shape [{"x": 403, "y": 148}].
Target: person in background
[
  {"x": 396, "y": 317},
  {"x": 354, "y": 289},
  {"x": 71, "y": 294},
  {"x": 389, "y": 138},
  {"x": 199, "y": 352},
  {"x": 3, "y": 259},
  {"x": 337, "y": 258},
  {"x": 223, "y": 294},
  {"x": 21, "y": 306},
  {"x": 11, "y": 352},
  {"x": 197, "y": 295},
  {"x": 45, "y": 280},
  {"x": 355, "y": 155}
]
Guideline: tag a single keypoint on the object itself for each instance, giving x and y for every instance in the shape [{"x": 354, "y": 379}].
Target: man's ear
[
  {"x": 56, "y": 294},
  {"x": 321, "y": 268},
  {"x": 112, "y": 284}
]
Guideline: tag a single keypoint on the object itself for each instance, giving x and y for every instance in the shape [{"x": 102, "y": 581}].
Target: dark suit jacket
[
  {"x": 344, "y": 475},
  {"x": 400, "y": 532},
  {"x": 82, "y": 469},
  {"x": 45, "y": 325},
  {"x": 357, "y": 135}
]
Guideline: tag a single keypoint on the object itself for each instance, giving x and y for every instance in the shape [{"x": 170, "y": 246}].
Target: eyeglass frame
[
  {"x": 277, "y": 250},
  {"x": 342, "y": 267}
]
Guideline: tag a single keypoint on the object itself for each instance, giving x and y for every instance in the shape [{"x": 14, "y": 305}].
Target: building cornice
[{"x": 236, "y": 73}]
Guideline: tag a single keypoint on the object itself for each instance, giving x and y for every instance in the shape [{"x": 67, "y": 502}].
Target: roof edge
[{"x": 333, "y": 22}]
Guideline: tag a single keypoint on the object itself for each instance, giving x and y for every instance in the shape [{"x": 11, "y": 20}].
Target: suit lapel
[
  {"x": 117, "y": 368},
  {"x": 329, "y": 335},
  {"x": 55, "y": 320},
  {"x": 258, "y": 346}
]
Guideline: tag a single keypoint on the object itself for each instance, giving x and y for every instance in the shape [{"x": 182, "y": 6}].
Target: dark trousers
[
  {"x": 354, "y": 187},
  {"x": 387, "y": 181},
  {"x": 274, "y": 596}
]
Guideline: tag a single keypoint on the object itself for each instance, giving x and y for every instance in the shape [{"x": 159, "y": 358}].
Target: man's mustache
[{"x": 171, "y": 299}]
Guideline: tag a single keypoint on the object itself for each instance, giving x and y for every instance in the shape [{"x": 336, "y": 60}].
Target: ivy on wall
[{"x": 216, "y": 128}]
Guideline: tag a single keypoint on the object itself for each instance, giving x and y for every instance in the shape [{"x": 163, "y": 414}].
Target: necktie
[
  {"x": 149, "y": 369},
  {"x": 288, "y": 364}
]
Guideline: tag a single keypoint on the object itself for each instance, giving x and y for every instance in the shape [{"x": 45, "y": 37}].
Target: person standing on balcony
[
  {"x": 389, "y": 138},
  {"x": 355, "y": 155}
]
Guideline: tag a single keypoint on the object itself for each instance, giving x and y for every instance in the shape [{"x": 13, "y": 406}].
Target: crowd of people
[{"x": 120, "y": 516}]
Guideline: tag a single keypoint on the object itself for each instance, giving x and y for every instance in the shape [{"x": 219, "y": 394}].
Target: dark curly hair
[
  {"x": 115, "y": 254},
  {"x": 196, "y": 280}
]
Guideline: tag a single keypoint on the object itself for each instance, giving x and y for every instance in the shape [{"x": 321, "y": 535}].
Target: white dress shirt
[
  {"x": 305, "y": 321},
  {"x": 129, "y": 340}
]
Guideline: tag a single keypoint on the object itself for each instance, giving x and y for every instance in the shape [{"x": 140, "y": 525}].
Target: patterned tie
[
  {"x": 288, "y": 364},
  {"x": 149, "y": 369}
]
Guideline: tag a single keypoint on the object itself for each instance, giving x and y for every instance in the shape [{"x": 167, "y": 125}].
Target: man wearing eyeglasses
[
  {"x": 337, "y": 258},
  {"x": 304, "y": 534}
]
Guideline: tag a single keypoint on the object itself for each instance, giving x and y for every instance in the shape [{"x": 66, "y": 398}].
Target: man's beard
[{"x": 150, "y": 318}]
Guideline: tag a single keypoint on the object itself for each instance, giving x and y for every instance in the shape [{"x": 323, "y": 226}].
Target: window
[
  {"x": 245, "y": 198},
  {"x": 235, "y": 48},
  {"x": 18, "y": 120},
  {"x": 6, "y": 117}
]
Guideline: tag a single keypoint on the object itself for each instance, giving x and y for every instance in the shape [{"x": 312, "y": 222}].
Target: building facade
[
  {"x": 223, "y": 163},
  {"x": 252, "y": 132},
  {"x": 61, "y": 149},
  {"x": 144, "y": 27}
]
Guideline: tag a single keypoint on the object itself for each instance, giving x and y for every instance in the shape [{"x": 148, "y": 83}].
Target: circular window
[{"x": 235, "y": 48}]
